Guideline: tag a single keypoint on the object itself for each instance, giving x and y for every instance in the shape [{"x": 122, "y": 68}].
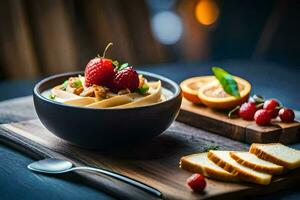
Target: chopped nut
[
  {"x": 74, "y": 85},
  {"x": 78, "y": 90},
  {"x": 100, "y": 91},
  {"x": 88, "y": 92},
  {"x": 74, "y": 82},
  {"x": 72, "y": 90}
]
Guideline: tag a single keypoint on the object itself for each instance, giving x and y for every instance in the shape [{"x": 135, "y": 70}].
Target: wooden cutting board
[
  {"x": 236, "y": 128},
  {"x": 155, "y": 163}
]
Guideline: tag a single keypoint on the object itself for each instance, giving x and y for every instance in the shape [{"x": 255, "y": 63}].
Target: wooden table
[{"x": 18, "y": 183}]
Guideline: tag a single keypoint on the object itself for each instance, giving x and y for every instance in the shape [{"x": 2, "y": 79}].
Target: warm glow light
[
  {"x": 167, "y": 27},
  {"x": 207, "y": 12}
]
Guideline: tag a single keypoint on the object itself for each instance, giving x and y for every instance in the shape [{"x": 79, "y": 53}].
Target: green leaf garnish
[
  {"x": 77, "y": 83},
  {"x": 64, "y": 85},
  {"x": 211, "y": 147},
  {"x": 258, "y": 99},
  {"x": 123, "y": 66},
  {"x": 52, "y": 96},
  {"x": 143, "y": 89},
  {"x": 115, "y": 63},
  {"x": 229, "y": 85}
]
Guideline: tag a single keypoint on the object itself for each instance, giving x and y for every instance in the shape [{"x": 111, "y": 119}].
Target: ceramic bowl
[{"x": 106, "y": 129}]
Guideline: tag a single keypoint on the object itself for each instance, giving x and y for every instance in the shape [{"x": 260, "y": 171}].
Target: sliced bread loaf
[
  {"x": 224, "y": 160},
  {"x": 278, "y": 154},
  {"x": 199, "y": 163},
  {"x": 252, "y": 161}
]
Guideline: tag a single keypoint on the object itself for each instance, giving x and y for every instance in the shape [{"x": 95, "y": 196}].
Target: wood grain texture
[
  {"x": 16, "y": 41},
  {"x": 155, "y": 163},
  {"x": 236, "y": 128},
  {"x": 54, "y": 35}
]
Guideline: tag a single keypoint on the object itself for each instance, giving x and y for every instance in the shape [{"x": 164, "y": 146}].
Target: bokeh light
[
  {"x": 207, "y": 12},
  {"x": 167, "y": 27}
]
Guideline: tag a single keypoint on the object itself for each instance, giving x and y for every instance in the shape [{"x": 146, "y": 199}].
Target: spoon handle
[{"x": 126, "y": 179}]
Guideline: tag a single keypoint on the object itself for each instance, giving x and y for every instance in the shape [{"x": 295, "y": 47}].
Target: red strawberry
[
  {"x": 99, "y": 71},
  {"x": 247, "y": 111},
  {"x": 271, "y": 106},
  {"x": 196, "y": 182},
  {"x": 286, "y": 115},
  {"x": 262, "y": 117},
  {"x": 127, "y": 78}
]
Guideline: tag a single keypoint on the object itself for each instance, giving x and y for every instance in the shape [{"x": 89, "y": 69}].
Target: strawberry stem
[
  {"x": 233, "y": 112},
  {"x": 106, "y": 48}
]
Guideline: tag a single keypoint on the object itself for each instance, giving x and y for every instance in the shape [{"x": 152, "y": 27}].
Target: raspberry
[
  {"x": 127, "y": 78},
  {"x": 286, "y": 115},
  {"x": 247, "y": 110},
  {"x": 270, "y": 105},
  {"x": 196, "y": 182},
  {"x": 262, "y": 117},
  {"x": 99, "y": 71}
]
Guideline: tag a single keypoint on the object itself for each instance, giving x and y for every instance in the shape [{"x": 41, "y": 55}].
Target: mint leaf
[
  {"x": 123, "y": 66},
  {"x": 64, "y": 85},
  {"x": 229, "y": 85},
  {"x": 116, "y": 64},
  {"x": 143, "y": 89},
  {"x": 52, "y": 96},
  {"x": 77, "y": 83}
]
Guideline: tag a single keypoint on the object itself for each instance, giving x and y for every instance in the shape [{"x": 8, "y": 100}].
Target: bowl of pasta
[{"x": 103, "y": 117}]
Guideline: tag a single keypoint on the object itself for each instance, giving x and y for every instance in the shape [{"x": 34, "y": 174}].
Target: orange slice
[
  {"x": 191, "y": 86},
  {"x": 213, "y": 95}
]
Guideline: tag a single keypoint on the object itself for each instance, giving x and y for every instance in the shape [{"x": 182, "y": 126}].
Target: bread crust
[
  {"x": 208, "y": 172},
  {"x": 243, "y": 175},
  {"x": 265, "y": 156},
  {"x": 274, "y": 170}
]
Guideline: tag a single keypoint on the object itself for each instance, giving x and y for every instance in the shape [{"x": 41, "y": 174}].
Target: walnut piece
[
  {"x": 72, "y": 87},
  {"x": 100, "y": 91},
  {"x": 88, "y": 92}
]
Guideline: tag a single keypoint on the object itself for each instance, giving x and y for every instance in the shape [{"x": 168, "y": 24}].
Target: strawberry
[
  {"x": 247, "y": 111},
  {"x": 127, "y": 78},
  {"x": 286, "y": 115},
  {"x": 196, "y": 182},
  {"x": 262, "y": 117},
  {"x": 99, "y": 71},
  {"x": 271, "y": 106}
]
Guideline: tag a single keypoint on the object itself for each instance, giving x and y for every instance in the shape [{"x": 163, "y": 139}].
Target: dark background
[
  {"x": 50, "y": 36},
  {"x": 256, "y": 39}
]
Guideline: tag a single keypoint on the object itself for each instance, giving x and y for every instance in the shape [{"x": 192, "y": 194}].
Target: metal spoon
[{"x": 57, "y": 166}]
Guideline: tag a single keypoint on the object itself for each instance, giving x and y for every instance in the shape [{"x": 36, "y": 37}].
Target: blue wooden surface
[
  {"x": 268, "y": 79},
  {"x": 16, "y": 182}
]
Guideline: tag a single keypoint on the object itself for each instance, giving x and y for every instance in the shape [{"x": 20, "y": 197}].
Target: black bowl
[{"x": 106, "y": 129}]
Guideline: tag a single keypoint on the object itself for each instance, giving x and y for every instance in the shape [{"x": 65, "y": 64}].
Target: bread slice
[
  {"x": 224, "y": 160},
  {"x": 199, "y": 163},
  {"x": 278, "y": 154},
  {"x": 252, "y": 161}
]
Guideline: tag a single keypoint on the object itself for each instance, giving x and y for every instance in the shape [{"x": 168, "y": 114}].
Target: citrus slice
[
  {"x": 213, "y": 95},
  {"x": 191, "y": 86}
]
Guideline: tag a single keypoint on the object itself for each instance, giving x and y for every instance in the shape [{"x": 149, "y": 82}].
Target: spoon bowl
[{"x": 51, "y": 166}]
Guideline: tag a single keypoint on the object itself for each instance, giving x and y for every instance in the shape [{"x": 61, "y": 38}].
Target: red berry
[
  {"x": 286, "y": 115},
  {"x": 262, "y": 117},
  {"x": 127, "y": 78},
  {"x": 247, "y": 110},
  {"x": 270, "y": 105},
  {"x": 196, "y": 182},
  {"x": 99, "y": 71}
]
